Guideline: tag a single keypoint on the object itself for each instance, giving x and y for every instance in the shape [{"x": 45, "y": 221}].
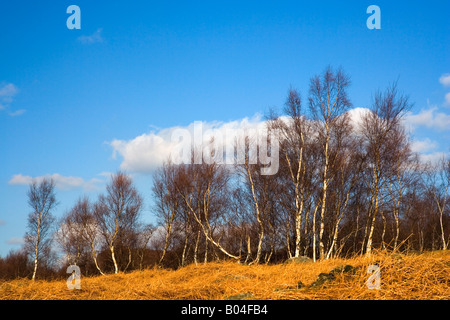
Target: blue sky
[{"x": 138, "y": 67}]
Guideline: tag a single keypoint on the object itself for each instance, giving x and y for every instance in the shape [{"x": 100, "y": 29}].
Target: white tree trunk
[
  {"x": 113, "y": 256},
  {"x": 36, "y": 248}
]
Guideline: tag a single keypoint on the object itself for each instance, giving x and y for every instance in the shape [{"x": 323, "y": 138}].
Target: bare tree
[
  {"x": 145, "y": 233},
  {"x": 41, "y": 198},
  {"x": 262, "y": 192},
  {"x": 346, "y": 169},
  {"x": 167, "y": 200},
  {"x": 117, "y": 212},
  {"x": 292, "y": 135},
  {"x": 402, "y": 175},
  {"x": 82, "y": 217},
  {"x": 70, "y": 237},
  {"x": 328, "y": 101},
  {"x": 378, "y": 127},
  {"x": 203, "y": 187},
  {"x": 15, "y": 265},
  {"x": 438, "y": 185}
]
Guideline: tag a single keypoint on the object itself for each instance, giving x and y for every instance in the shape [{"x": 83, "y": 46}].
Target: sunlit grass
[{"x": 425, "y": 276}]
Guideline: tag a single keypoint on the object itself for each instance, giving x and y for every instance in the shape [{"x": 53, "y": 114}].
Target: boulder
[
  {"x": 347, "y": 269},
  {"x": 322, "y": 279},
  {"x": 300, "y": 285}
]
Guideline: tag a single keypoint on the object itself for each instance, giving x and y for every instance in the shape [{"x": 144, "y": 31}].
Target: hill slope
[{"x": 425, "y": 276}]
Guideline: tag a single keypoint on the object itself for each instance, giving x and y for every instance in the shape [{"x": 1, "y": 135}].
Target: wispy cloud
[
  {"x": 17, "y": 113},
  {"x": 430, "y": 118},
  {"x": 447, "y": 99},
  {"x": 61, "y": 182},
  {"x": 7, "y": 93},
  {"x": 433, "y": 157},
  {"x": 15, "y": 241},
  {"x": 422, "y": 146},
  {"x": 96, "y": 37},
  {"x": 445, "y": 80}
]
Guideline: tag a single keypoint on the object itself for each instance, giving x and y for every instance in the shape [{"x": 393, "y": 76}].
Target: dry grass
[{"x": 424, "y": 277}]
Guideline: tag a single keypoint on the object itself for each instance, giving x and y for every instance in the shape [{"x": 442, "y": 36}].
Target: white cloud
[
  {"x": 430, "y": 118},
  {"x": 433, "y": 157},
  {"x": 447, "y": 100},
  {"x": 445, "y": 80},
  {"x": 422, "y": 146},
  {"x": 96, "y": 37},
  {"x": 16, "y": 241},
  {"x": 61, "y": 182},
  {"x": 106, "y": 174},
  {"x": 148, "y": 151},
  {"x": 357, "y": 115},
  {"x": 7, "y": 93},
  {"x": 17, "y": 113}
]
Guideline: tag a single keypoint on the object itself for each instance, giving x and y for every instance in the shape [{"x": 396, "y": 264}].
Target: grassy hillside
[{"x": 425, "y": 276}]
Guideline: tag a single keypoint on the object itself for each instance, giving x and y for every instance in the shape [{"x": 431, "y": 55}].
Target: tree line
[{"x": 344, "y": 187}]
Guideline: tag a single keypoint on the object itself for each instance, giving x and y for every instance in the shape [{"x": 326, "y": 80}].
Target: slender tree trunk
[
  {"x": 271, "y": 243},
  {"x": 249, "y": 249},
  {"x": 395, "y": 209},
  {"x": 260, "y": 241},
  {"x": 305, "y": 232},
  {"x": 36, "y": 248},
  {"x": 397, "y": 230},
  {"x": 206, "y": 251},
  {"x": 356, "y": 231},
  {"x": 334, "y": 242},
  {"x": 421, "y": 241},
  {"x": 314, "y": 233},
  {"x": 113, "y": 256},
  {"x": 298, "y": 231},
  {"x": 366, "y": 230},
  {"x": 167, "y": 242},
  {"x": 288, "y": 237},
  {"x": 444, "y": 243},
  {"x": 441, "y": 213},
  {"x": 298, "y": 197},
  {"x": 370, "y": 237},
  {"x": 258, "y": 215},
  {"x": 94, "y": 257},
  {"x": 374, "y": 207},
  {"x": 196, "y": 247},
  {"x": 383, "y": 245},
  {"x": 129, "y": 260},
  {"x": 324, "y": 195},
  {"x": 183, "y": 256}
]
